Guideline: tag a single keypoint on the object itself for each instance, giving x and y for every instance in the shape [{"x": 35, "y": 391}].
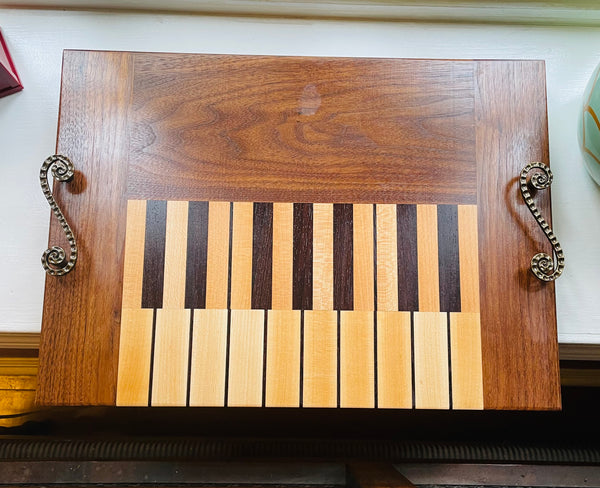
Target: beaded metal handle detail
[
  {"x": 545, "y": 267},
  {"x": 54, "y": 260}
]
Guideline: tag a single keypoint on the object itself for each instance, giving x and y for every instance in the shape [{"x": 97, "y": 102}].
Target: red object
[{"x": 9, "y": 79}]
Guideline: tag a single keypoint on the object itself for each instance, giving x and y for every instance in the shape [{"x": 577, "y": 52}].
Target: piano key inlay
[{"x": 289, "y": 305}]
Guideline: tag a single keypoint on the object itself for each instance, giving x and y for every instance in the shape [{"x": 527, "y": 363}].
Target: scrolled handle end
[
  {"x": 544, "y": 268},
  {"x": 55, "y": 262}
]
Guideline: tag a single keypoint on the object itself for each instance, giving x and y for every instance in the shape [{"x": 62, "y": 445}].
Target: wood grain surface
[
  {"x": 241, "y": 255},
  {"x": 357, "y": 362},
  {"x": 394, "y": 360},
  {"x": 255, "y": 128},
  {"x": 171, "y": 358},
  {"x": 413, "y": 133},
  {"x": 387, "y": 258},
  {"x": 363, "y": 258},
  {"x": 375, "y": 355},
  {"x": 320, "y": 361},
  {"x": 343, "y": 260},
  {"x": 432, "y": 388},
  {"x": 196, "y": 255},
  {"x": 283, "y": 269},
  {"x": 133, "y": 267},
  {"x": 209, "y": 356},
  {"x": 519, "y": 338},
  {"x": 448, "y": 264},
  {"x": 154, "y": 254},
  {"x": 217, "y": 255},
  {"x": 282, "y": 373},
  {"x": 468, "y": 251},
  {"x": 323, "y": 256},
  {"x": 303, "y": 256},
  {"x": 427, "y": 252},
  {"x": 262, "y": 255},
  {"x": 465, "y": 349},
  {"x": 175, "y": 255},
  {"x": 246, "y": 356},
  {"x": 408, "y": 264},
  {"x": 80, "y": 338},
  {"x": 135, "y": 353}
]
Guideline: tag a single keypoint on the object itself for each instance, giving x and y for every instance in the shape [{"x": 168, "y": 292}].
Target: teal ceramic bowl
[{"x": 589, "y": 126}]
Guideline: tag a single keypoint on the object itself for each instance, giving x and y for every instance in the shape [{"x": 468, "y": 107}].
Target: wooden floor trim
[{"x": 18, "y": 366}]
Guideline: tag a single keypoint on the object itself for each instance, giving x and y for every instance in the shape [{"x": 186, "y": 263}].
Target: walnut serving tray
[{"x": 300, "y": 232}]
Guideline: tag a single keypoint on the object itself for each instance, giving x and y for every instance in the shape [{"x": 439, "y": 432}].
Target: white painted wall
[{"x": 36, "y": 39}]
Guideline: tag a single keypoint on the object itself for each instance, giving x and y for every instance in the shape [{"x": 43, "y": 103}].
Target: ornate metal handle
[
  {"x": 54, "y": 260},
  {"x": 545, "y": 267}
]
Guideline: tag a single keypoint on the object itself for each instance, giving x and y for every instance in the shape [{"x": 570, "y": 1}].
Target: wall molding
[
  {"x": 536, "y": 12},
  {"x": 19, "y": 340}
]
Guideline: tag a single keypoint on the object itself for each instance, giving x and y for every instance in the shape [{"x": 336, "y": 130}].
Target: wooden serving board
[{"x": 300, "y": 232}]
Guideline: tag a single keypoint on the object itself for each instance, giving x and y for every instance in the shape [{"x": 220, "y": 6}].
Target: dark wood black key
[
  {"x": 408, "y": 271},
  {"x": 449, "y": 269},
  {"x": 262, "y": 255},
  {"x": 302, "y": 293},
  {"x": 343, "y": 278},
  {"x": 197, "y": 240},
  {"x": 154, "y": 254}
]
